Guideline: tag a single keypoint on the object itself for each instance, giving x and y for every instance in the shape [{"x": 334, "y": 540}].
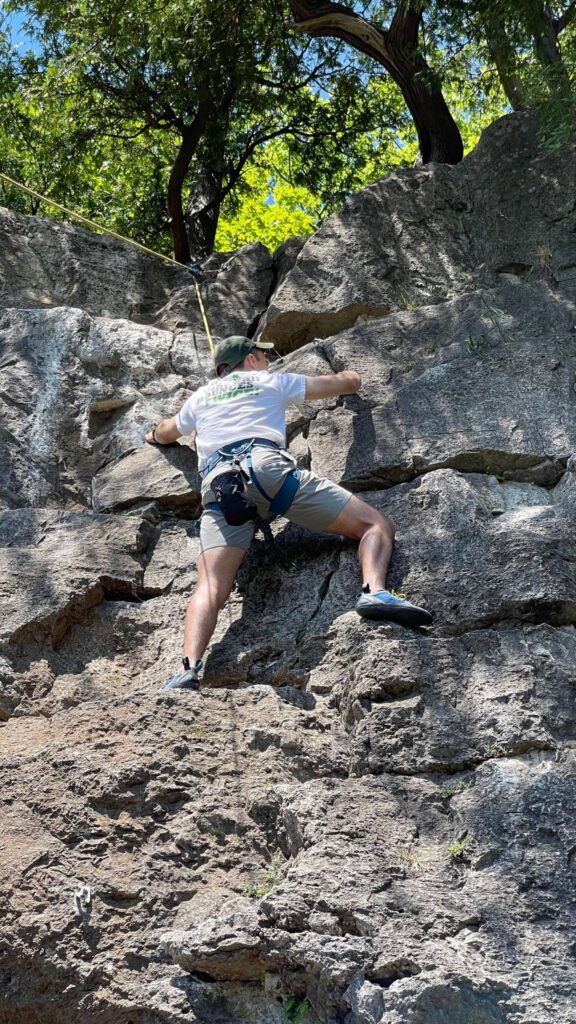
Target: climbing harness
[
  {"x": 193, "y": 268},
  {"x": 230, "y": 499}
]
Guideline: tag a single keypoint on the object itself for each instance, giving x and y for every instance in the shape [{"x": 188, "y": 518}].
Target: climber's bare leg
[
  {"x": 217, "y": 570},
  {"x": 375, "y": 534}
]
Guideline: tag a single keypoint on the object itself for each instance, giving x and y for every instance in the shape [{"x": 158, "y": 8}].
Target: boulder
[
  {"x": 424, "y": 235},
  {"x": 501, "y": 404}
]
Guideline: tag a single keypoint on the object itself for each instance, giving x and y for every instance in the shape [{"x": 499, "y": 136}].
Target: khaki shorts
[{"x": 317, "y": 502}]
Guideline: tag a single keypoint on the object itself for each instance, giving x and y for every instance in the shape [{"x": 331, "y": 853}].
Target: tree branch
[
  {"x": 404, "y": 27},
  {"x": 396, "y": 50},
  {"x": 565, "y": 18}
]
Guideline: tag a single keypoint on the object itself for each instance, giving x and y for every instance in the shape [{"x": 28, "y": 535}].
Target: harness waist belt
[{"x": 236, "y": 448}]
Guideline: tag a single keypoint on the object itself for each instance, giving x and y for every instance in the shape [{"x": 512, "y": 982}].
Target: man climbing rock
[{"x": 240, "y": 424}]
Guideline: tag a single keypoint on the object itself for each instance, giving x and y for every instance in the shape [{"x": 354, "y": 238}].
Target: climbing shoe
[
  {"x": 186, "y": 680},
  {"x": 387, "y": 607}
]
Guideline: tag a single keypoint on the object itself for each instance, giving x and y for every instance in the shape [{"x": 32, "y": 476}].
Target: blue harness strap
[{"x": 281, "y": 501}]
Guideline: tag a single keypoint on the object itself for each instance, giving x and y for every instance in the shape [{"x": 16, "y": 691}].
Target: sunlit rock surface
[{"x": 350, "y": 823}]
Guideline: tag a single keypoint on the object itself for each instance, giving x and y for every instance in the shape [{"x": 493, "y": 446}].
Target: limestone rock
[
  {"x": 433, "y": 400},
  {"x": 422, "y": 236},
  {"x": 286, "y": 255},
  {"x": 55, "y": 565},
  {"x": 449, "y": 704},
  {"x": 143, "y": 831},
  {"x": 234, "y": 299},
  {"x": 45, "y": 263},
  {"x": 77, "y": 393},
  {"x": 49, "y": 263},
  {"x": 350, "y": 821},
  {"x": 165, "y": 475}
]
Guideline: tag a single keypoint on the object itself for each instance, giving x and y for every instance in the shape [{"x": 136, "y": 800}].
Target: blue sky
[{"x": 13, "y": 26}]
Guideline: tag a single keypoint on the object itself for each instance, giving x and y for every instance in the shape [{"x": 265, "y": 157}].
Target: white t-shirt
[{"x": 242, "y": 404}]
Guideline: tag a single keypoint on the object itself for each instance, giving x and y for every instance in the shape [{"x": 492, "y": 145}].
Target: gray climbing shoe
[
  {"x": 383, "y": 606},
  {"x": 186, "y": 680}
]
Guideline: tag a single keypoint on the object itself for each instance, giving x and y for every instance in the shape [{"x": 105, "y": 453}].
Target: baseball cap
[{"x": 233, "y": 350}]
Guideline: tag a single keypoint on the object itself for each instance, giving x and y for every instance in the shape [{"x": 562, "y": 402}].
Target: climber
[{"x": 239, "y": 419}]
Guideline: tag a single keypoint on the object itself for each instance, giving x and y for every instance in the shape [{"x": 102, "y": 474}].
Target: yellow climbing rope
[
  {"x": 114, "y": 234},
  {"x": 204, "y": 317}
]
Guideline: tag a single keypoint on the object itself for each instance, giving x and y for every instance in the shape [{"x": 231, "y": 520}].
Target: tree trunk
[
  {"x": 548, "y": 53},
  {"x": 202, "y": 213},
  {"x": 396, "y": 50},
  {"x": 545, "y": 38},
  {"x": 504, "y": 57},
  {"x": 190, "y": 137}
]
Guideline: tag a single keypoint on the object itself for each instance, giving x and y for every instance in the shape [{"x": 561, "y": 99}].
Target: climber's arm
[
  {"x": 165, "y": 433},
  {"x": 347, "y": 382}
]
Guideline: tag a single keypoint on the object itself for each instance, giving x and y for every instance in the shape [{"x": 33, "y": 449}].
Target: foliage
[
  {"x": 267, "y": 207},
  {"x": 268, "y": 881},
  {"x": 554, "y": 106},
  {"x": 458, "y": 849},
  {"x": 458, "y": 787},
  {"x": 218, "y": 77},
  {"x": 530, "y": 45},
  {"x": 293, "y": 1010},
  {"x": 44, "y": 147},
  {"x": 288, "y": 190},
  {"x": 98, "y": 114}
]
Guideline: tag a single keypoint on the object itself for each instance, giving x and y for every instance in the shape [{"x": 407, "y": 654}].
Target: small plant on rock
[
  {"x": 476, "y": 343},
  {"x": 410, "y": 858},
  {"x": 293, "y": 1010},
  {"x": 268, "y": 880},
  {"x": 458, "y": 849},
  {"x": 449, "y": 791}
]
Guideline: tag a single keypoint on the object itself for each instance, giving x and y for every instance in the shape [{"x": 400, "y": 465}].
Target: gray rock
[
  {"x": 350, "y": 821},
  {"x": 77, "y": 393},
  {"x": 56, "y": 565},
  {"x": 449, "y": 704},
  {"x": 46, "y": 263},
  {"x": 234, "y": 299},
  {"x": 424, "y": 235},
  {"x": 286, "y": 255},
  {"x": 51, "y": 263},
  {"x": 506, "y": 409},
  {"x": 167, "y": 476}
]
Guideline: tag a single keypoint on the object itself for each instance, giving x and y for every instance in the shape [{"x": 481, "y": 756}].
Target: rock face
[
  {"x": 350, "y": 823},
  {"x": 423, "y": 236},
  {"x": 44, "y": 264}
]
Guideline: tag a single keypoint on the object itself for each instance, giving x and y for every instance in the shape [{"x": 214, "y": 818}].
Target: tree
[
  {"x": 397, "y": 49},
  {"x": 268, "y": 207},
  {"x": 109, "y": 115},
  {"x": 220, "y": 78},
  {"x": 289, "y": 189},
  {"x": 522, "y": 39}
]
